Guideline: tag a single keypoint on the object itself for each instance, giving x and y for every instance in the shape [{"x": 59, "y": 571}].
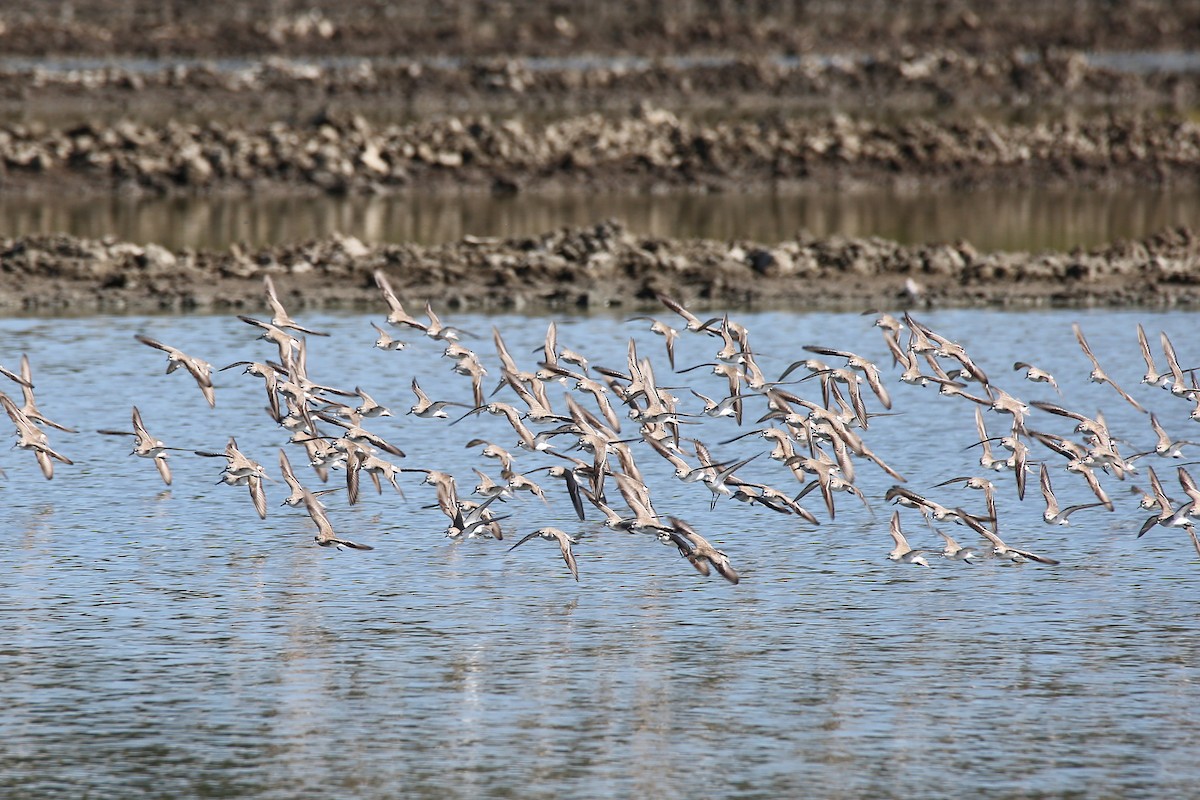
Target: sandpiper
[
  {"x": 564, "y": 543},
  {"x": 199, "y": 369},
  {"x": 902, "y": 552}
]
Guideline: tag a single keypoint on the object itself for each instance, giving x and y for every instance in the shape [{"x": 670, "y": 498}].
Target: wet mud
[{"x": 603, "y": 268}]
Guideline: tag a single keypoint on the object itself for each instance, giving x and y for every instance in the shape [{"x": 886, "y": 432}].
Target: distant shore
[
  {"x": 480, "y": 28},
  {"x": 650, "y": 150},
  {"x": 598, "y": 269}
]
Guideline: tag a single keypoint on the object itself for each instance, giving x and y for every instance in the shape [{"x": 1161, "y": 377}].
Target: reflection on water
[
  {"x": 172, "y": 644},
  {"x": 1019, "y": 220}
]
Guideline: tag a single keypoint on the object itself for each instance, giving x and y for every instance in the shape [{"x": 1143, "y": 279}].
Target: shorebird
[
  {"x": 683, "y": 470},
  {"x": 287, "y": 344},
  {"x": 772, "y": 498},
  {"x": 551, "y": 354},
  {"x": 356, "y": 433},
  {"x": 1152, "y": 377},
  {"x": 1165, "y": 447},
  {"x": 952, "y": 388},
  {"x": 376, "y": 469},
  {"x": 29, "y": 407},
  {"x": 1000, "y": 549},
  {"x": 902, "y": 552},
  {"x": 725, "y": 407},
  {"x": 1016, "y": 461},
  {"x": 199, "y": 369},
  {"x": 487, "y": 487},
  {"x": 296, "y": 497},
  {"x": 719, "y": 479},
  {"x": 664, "y": 330},
  {"x": 1094, "y": 427},
  {"x": 969, "y": 370},
  {"x": 467, "y": 520},
  {"x": 694, "y": 324},
  {"x": 396, "y": 313},
  {"x": 564, "y": 543},
  {"x": 385, "y": 341},
  {"x": 279, "y": 315},
  {"x": 828, "y": 478},
  {"x": 31, "y": 437},
  {"x": 1037, "y": 375},
  {"x": 270, "y": 379},
  {"x": 325, "y": 536},
  {"x": 856, "y": 362},
  {"x": 599, "y": 392},
  {"x": 1005, "y": 403},
  {"x": 637, "y": 496},
  {"x": 697, "y": 550},
  {"x": 146, "y": 446},
  {"x": 955, "y": 551},
  {"x": 1179, "y": 386},
  {"x": 430, "y": 409},
  {"x": 368, "y": 408},
  {"x": 472, "y": 368},
  {"x": 1097, "y": 374},
  {"x": 1169, "y": 516},
  {"x": 908, "y": 359},
  {"x": 972, "y": 482},
  {"x": 508, "y": 365},
  {"x": 890, "y": 327},
  {"x": 910, "y": 499},
  {"x": 979, "y": 484},
  {"x": 516, "y": 482},
  {"x": 919, "y": 340},
  {"x": 242, "y": 471},
  {"x": 12, "y": 376},
  {"x": 567, "y": 476},
  {"x": 1053, "y": 515},
  {"x": 495, "y": 451},
  {"x": 436, "y": 330}
]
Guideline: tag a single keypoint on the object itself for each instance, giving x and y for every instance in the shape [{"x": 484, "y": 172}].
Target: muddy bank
[
  {"x": 595, "y": 268},
  {"x": 650, "y": 150},
  {"x": 942, "y": 82},
  {"x": 153, "y": 28}
]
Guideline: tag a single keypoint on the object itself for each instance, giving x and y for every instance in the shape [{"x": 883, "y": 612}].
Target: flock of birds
[{"x": 820, "y": 440}]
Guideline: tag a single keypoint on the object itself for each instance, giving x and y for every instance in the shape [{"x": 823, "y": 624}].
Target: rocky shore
[
  {"x": 649, "y": 150},
  {"x": 593, "y": 269}
]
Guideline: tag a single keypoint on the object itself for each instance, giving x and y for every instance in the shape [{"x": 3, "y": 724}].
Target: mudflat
[{"x": 598, "y": 268}]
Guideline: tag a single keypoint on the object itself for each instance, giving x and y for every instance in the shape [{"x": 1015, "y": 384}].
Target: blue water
[{"x": 166, "y": 642}]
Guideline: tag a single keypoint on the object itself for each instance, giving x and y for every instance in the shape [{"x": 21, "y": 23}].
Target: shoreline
[{"x": 595, "y": 268}]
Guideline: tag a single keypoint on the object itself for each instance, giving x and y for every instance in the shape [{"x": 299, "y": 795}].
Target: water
[
  {"x": 169, "y": 643},
  {"x": 1023, "y": 220}
]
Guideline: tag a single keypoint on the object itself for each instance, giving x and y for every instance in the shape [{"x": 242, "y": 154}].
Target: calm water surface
[
  {"x": 168, "y": 643},
  {"x": 1016, "y": 220}
]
